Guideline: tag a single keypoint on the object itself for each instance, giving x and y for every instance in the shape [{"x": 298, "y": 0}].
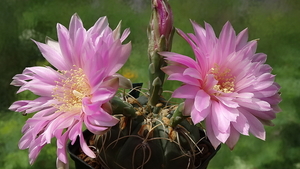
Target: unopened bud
[{"x": 161, "y": 25}]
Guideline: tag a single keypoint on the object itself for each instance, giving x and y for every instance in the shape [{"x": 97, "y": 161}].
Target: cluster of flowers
[{"x": 228, "y": 85}]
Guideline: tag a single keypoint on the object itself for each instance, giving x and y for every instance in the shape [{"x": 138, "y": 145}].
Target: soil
[{"x": 90, "y": 161}]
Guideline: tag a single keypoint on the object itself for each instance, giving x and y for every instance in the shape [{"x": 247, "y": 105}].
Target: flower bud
[
  {"x": 161, "y": 25},
  {"x": 160, "y": 33}
]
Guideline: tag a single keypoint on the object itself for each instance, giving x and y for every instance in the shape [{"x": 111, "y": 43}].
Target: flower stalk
[{"x": 160, "y": 34}]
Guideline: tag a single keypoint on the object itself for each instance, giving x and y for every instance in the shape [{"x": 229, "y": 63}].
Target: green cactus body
[
  {"x": 147, "y": 141},
  {"x": 152, "y": 134}
]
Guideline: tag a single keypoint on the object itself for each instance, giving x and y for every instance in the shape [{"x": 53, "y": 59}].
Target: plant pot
[
  {"x": 75, "y": 151},
  {"x": 76, "y": 154}
]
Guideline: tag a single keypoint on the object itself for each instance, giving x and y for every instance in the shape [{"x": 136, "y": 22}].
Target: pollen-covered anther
[
  {"x": 226, "y": 81},
  {"x": 70, "y": 90}
]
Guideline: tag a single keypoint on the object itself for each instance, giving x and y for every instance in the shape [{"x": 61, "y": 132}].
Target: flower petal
[
  {"x": 202, "y": 100},
  {"x": 233, "y": 138},
  {"x": 256, "y": 127},
  {"x": 53, "y": 56},
  {"x": 185, "y": 91}
]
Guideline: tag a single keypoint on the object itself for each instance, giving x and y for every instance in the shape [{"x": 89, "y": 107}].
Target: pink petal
[
  {"x": 222, "y": 136},
  {"x": 185, "y": 91},
  {"x": 53, "y": 56},
  {"x": 200, "y": 33},
  {"x": 264, "y": 81},
  {"x": 218, "y": 117},
  {"x": 233, "y": 138},
  {"x": 45, "y": 74},
  {"x": 88, "y": 107},
  {"x": 254, "y": 104},
  {"x": 241, "y": 39},
  {"x": 193, "y": 73},
  {"x": 54, "y": 45},
  {"x": 18, "y": 106},
  {"x": 122, "y": 54},
  {"x": 173, "y": 69},
  {"x": 99, "y": 27},
  {"x": 20, "y": 79},
  {"x": 101, "y": 118},
  {"x": 198, "y": 116},
  {"x": 210, "y": 39},
  {"x": 256, "y": 127},
  {"x": 185, "y": 79},
  {"x": 202, "y": 100},
  {"x": 38, "y": 88},
  {"x": 267, "y": 92},
  {"x": 125, "y": 34},
  {"x": 26, "y": 140},
  {"x": 103, "y": 95},
  {"x": 75, "y": 131},
  {"x": 227, "y": 39},
  {"x": 85, "y": 147},
  {"x": 260, "y": 57},
  {"x": 33, "y": 153},
  {"x": 61, "y": 148},
  {"x": 210, "y": 132},
  {"x": 185, "y": 60},
  {"x": 80, "y": 43},
  {"x": 74, "y": 26},
  {"x": 210, "y": 83},
  {"x": 241, "y": 125},
  {"x": 66, "y": 45},
  {"x": 183, "y": 35},
  {"x": 61, "y": 165},
  {"x": 227, "y": 101}
]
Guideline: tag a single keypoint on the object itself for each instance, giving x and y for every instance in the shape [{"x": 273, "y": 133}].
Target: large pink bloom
[
  {"x": 228, "y": 85},
  {"x": 78, "y": 92}
]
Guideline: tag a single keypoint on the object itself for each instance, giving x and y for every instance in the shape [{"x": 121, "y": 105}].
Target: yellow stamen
[
  {"x": 70, "y": 90},
  {"x": 225, "y": 80}
]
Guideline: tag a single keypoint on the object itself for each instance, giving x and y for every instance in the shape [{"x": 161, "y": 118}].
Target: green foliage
[
  {"x": 275, "y": 23},
  {"x": 11, "y": 157}
]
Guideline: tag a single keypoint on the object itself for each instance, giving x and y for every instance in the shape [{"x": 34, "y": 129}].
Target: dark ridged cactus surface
[{"x": 148, "y": 141}]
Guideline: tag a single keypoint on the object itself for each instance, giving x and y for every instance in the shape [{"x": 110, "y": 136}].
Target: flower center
[
  {"x": 70, "y": 91},
  {"x": 225, "y": 80}
]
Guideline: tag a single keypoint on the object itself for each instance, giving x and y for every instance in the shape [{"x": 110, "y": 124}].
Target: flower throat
[
  {"x": 225, "y": 80},
  {"x": 70, "y": 91}
]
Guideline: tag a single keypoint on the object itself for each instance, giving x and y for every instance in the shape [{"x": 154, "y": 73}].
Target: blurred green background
[{"x": 275, "y": 22}]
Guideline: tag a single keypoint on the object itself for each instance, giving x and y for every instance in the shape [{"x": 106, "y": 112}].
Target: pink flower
[
  {"x": 228, "y": 85},
  {"x": 78, "y": 92}
]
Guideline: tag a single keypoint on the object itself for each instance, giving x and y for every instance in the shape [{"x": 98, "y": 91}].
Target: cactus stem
[{"x": 177, "y": 116}]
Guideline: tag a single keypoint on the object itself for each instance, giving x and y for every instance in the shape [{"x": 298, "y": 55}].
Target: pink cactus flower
[
  {"x": 78, "y": 92},
  {"x": 228, "y": 86}
]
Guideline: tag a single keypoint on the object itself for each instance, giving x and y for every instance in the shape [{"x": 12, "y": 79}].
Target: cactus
[
  {"x": 153, "y": 140},
  {"x": 151, "y": 133}
]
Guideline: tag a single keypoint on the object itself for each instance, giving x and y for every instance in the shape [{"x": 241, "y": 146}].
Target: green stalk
[{"x": 160, "y": 34}]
